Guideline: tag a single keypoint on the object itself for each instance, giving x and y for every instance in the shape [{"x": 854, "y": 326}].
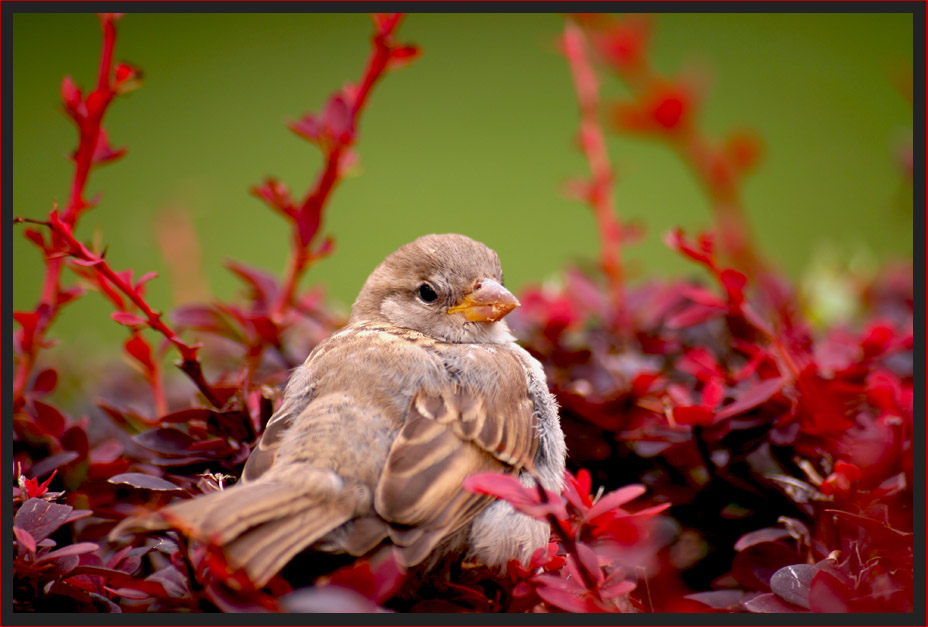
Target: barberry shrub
[{"x": 726, "y": 455}]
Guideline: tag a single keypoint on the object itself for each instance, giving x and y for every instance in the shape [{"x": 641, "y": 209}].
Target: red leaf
[
  {"x": 205, "y": 318},
  {"x": 36, "y": 238},
  {"x": 126, "y": 318},
  {"x": 70, "y": 550},
  {"x": 693, "y": 315},
  {"x": 703, "y": 252},
  {"x": 264, "y": 285},
  {"x": 25, "y": 539},
  {"x": 145, "y": 278},
  {"x": 45, "y": 381},
  {"x": 49, "y": 418},
  {"x": 275, "y": 193},
  {"x": 614, "y": 500},
  {"x": 27, "y": 320},
  {"x": 309, "y": 129},
  {"x": 137, "y": 348},
  {"x": 508, "y": 488},
  {"x": 590, "y": 563},
  {"x": 755, "y": 396},
  {"x": 562, "y": 599},
  {"x": 827, "y": 594},
  {"x": 403, "y": 55},
  {"x": 71, "y": 96},
  {"x": 87, "y": 263},
  {"x": 734, "y": 283},
  {"x": 75, "y": 439},
  {"x": 104, "y": 153},
  {"x": 693, "y": 415},
  {"x": 577, "y": 489},
  {"x": 713, "y": 393},
  {"x": 337, "y": 120}
]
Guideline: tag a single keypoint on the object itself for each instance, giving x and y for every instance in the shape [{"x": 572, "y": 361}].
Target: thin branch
[{"x": 593, "y": 144}]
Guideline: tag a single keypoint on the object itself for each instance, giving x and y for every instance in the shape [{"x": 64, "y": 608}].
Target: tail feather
[
  {"x": 261, "y": 525},
  {"x": 220, "y": 517},
  {"x": 265, "y": 549}
]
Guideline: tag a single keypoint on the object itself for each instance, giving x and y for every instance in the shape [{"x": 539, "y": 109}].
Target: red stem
[
  {"x": 89, "y": 129},
  {"x": 317, "y": 196},
  {"x": 593, "y": 144}
]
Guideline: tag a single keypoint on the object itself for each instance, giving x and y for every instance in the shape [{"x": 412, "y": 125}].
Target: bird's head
[{"x": 447, "y": 286}]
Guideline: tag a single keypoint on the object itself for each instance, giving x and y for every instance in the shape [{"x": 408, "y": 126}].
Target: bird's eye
[{"x": 427, "y": 294}]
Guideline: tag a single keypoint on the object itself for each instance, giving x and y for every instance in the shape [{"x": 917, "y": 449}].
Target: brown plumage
[{"x": 385, "y": 419}]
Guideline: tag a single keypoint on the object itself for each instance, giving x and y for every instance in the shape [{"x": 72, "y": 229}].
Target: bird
[{"x": 382, "y": 423}]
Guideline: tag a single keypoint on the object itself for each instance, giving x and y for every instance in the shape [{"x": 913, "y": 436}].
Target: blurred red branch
[
  {"x": 599, "y": 191},
  {"x": 666, "y": 108}
]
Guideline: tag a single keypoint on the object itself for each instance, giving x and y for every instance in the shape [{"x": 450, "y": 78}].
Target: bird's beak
[{"x": 488, "y": 302}]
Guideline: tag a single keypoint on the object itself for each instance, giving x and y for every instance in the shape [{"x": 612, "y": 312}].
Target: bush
[{"x": 743, "y": 458}]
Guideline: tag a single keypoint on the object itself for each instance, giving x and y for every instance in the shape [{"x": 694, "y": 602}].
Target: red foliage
[{"x": 769, "y": 462}]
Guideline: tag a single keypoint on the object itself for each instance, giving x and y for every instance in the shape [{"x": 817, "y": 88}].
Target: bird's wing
[
  {"x": 447, "y": 437},
  {"x": 299, "y": 394}
]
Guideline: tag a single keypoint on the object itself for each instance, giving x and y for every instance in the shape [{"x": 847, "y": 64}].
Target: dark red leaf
[
  {"x": 754, "y": 565},
  {"x": 141, "y": 480},
  {"x": 45, "y": 381},
  {"x": 41, "y": 518},
  {"x": 768, "y": 534},
  {"x": 50, "y": 463},
  {"x": 25, "y": 539},
  {"x": 693, "y": 415},
  {"x": 165, "y": 440},
  {"x": 49, "y": 418},
  {"x": 770, "y": 603},
  {"x": 70, "y": 550},
  {"x": 791, "y": 583},
  {"x": 205, "y": 318},
  {"x": 827, "y": 594},
  {"x": 186, "y": 415},
  {"x": 75, "y": 439},
  {"x": 264, "y": 285}
]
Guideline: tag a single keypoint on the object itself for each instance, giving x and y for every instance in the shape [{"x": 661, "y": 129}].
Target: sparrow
[{"x": 382, "y": 423}]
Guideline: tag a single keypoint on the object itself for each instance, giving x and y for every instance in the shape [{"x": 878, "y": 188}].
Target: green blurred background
[{"x": 475, "y": 137}]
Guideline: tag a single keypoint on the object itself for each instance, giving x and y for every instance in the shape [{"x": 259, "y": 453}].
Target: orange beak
[{"x": 489, "y": 302}]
